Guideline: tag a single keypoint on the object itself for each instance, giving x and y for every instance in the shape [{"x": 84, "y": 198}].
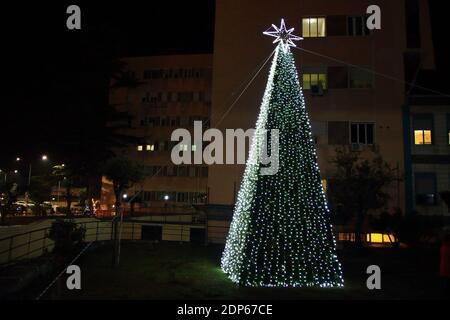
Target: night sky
[{"x": 42, "y": 57}]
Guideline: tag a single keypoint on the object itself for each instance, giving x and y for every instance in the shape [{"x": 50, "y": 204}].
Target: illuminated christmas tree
[{"x": 281, "y": 233}]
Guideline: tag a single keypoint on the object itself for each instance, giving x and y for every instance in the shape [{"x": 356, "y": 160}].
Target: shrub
[{"x": 67, "y": 236}]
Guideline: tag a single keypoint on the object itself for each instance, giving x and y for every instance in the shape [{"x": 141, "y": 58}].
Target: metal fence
[{"x": 34, "y": 243}]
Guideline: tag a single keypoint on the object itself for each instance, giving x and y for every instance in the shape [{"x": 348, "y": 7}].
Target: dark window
[
  {"x": 338, "y": 132},
  {"x": 361, "y": 133},
  {"x": 360, "y": 78},
  {"x": 182, "y": 197},
  {"x": 336, "y": 26},
  {"x": 337, "y": 77},
  {"x": 425, "y": 184},
  {"x": 182, "y": 171},
  {"x": 357, "y": 26}
]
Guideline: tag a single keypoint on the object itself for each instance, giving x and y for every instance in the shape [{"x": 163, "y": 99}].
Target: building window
[
  {"x": 359, "y": 78},
  {"x": 357, "y": 26},
  {"x": 337, "y": 77},
  {"x": 314, "y": 79},
  {"x": 182, "y": 171},
  {"x": 346, "y": 236},
  {"x": 425, "y": 187},
  {"x": 380, "y": 238},
  {"x": 423, "y": 129},
  {"x": 150, "y": 147},
  {"x": 422, "y": 136},
  {"x": 313, "y": 27},
  {"x": 338, "y": 132},
  {"x": 361, "y": 133},
  {"x": 182, "y": 197},
  {"x": 140, "y": 148}
]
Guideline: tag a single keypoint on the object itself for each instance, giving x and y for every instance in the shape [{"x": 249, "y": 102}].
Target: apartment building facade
[
  {"x": 173, "y": 92},
  {"x": 354, "y": 85},
  {"x": 427, "y": 153},
  {"x": 348, "y": 104}
]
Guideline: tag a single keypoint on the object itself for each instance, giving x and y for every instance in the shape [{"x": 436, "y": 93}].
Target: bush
[
  {"x": 411, "y": 229},
  {"x": 416, "y": 229},
  {"x": 67, "y": 236}
]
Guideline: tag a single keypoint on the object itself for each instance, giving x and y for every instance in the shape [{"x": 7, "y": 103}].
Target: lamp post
[
  {"x": 44, "y": 157},
  {"x": 5, "y": 174}
]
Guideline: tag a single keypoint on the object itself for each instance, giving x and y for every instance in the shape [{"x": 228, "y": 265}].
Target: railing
[
  {"x": 34, "y": 243},
  {"x": 11, "y": 248}
]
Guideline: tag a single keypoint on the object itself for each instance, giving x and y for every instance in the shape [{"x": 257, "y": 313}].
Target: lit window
[
  {"x": 313, "y": 27},
  {"x": 388, "y": 238},
  {"x": 314, "y": 79},
  {"x": 140, "y": 148},
  {"x": 422, "y": 136},
  {"x": 380, "y": 238},
  {"x": 374, "y": 237},
  {"x": 194, "y": 147},
  {"x": 150, "y": 147},
  {"x": 423, "y": 129}
]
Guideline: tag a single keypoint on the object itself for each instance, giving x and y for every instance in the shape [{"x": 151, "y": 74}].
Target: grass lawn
[{"x": 187, "y": 271}]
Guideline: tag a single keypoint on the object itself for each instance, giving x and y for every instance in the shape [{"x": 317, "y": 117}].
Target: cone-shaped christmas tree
[{"x": 281, "y": 233}]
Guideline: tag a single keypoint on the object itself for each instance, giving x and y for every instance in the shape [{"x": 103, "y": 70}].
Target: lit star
[{"x": 284, "y": 35}]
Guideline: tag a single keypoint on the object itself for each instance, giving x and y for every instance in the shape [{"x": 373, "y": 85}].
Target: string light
[{"x": 281, "y": 235}]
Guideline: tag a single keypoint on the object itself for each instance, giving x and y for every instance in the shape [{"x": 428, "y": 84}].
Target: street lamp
[
  {"x": 44, "y": 157},
  {"x": 125, "y": 196}
]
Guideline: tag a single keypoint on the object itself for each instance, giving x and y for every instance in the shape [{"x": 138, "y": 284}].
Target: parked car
[
  {"x": 21, "y": 206},
  {"x": 77, "y": 209}
]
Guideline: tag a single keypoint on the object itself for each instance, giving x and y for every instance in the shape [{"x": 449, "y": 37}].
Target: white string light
[{"x": 281, "y": 234}]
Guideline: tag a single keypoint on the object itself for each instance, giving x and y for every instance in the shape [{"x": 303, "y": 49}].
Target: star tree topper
[{"x": 283, "y": 35}]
